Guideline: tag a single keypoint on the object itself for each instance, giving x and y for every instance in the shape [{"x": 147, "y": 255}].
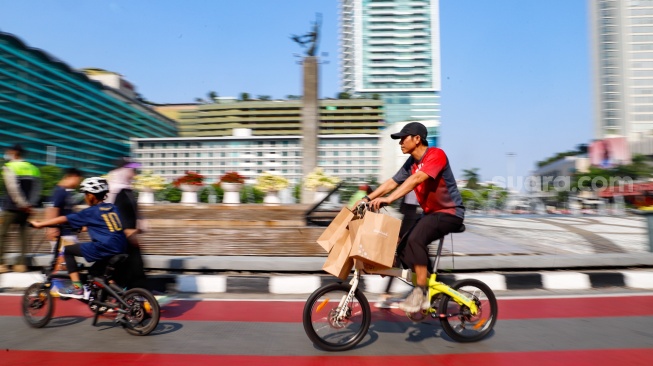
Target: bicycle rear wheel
[
  {"x": 458, "y": 322},
  {"x": 320, "y": 318},
  {"x": 143, "y": 312},
  {"x": 37, "y": 305}
]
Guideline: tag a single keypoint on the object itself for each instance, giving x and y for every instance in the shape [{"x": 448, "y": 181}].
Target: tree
[
  {"x": 264, "y": 97},
  {"x": 293, "y": 97},
  {"x": 581, "y": 149},
  {"x": 376, "y": 96},
  {"x": 472, "y": 177},
  {"x": 343, "y": 95},
  {"x": 50, "y": 176},
  {"x": 244, "y": 97},
  {"x": 213, "y": 97},
  {"x": 199, "y": 100},
  {"x": 597, "y": 178}
]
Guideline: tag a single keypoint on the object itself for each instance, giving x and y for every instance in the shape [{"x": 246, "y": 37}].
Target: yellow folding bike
[{"x": 337, "y": 316}]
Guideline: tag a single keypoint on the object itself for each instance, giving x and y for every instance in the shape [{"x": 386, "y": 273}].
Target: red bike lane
[{"x": 283, "y": 312}]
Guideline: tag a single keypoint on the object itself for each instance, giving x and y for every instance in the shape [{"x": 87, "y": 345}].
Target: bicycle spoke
[{"x": 332, "y": 327}]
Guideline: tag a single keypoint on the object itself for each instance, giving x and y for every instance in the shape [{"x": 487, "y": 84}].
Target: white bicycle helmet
[{"x": 94, "y": 185}]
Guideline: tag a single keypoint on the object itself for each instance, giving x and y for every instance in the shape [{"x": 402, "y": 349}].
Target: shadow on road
[
  {"x": 177, "y": 308},
  {"x": 65, "y": 321},
  {"x": 166, "y": 328}
]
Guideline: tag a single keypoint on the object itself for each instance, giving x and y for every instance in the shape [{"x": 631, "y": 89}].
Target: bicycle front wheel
[
  {"x": 321, "y": 321},
  {"x": 37, "y": 305},
  {"x": 143, "y": 312},
  {"x": 458, "y": 321}
]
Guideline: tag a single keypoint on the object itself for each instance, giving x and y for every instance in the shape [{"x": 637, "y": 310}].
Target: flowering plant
[
  {"x": 232, "y": 177},
  {"x": 271, "y": 182},
  {"x": 317, "y": 179},
  {"x": 191, "y": 178},
  {"x": 147, "y": 180}
]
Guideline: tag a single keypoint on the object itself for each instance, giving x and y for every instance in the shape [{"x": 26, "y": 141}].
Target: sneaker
[
  {"x": 164, "y": 300},
  {"x": 72, "y": 291},
  {"x": 386, "y": 304},
  {"x": 415, "y": 301}
]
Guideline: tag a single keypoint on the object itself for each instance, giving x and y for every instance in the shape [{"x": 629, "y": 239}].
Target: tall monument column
[
  {"x": 310, "y": 107},
  {"x": 310, "y": 121}
]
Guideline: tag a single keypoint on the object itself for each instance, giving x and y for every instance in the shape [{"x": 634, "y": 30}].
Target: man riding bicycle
[
  {"x": 428, "y": 173},
  {"x": 104, "y": 227}
]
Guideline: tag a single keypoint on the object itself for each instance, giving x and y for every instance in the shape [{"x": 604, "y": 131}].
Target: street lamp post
[{"x": 511, "y": 169}]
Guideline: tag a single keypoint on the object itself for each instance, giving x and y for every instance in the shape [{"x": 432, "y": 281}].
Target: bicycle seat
[
  {"x": 461, "y": 229},
  {"x": 107, "y": 266},
  {"x": 117, "y": 259}
]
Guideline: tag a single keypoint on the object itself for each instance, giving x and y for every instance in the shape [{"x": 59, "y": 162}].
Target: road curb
[{"x": 305, "y": 284}]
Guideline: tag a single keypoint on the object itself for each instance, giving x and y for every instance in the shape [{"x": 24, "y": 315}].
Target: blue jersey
[
  {"x": 63, "y": 200},
  {"x": 104, "y": 227}
]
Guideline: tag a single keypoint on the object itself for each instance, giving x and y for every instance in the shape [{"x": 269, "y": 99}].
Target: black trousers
[
  {"x": 413, "y": 248},
  {"x": 132, "y": 272}
]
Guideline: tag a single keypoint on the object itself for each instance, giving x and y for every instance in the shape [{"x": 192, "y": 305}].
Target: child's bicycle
[
  {"x": 136, "y": 309},
  {"x": 337, "y": 316}
]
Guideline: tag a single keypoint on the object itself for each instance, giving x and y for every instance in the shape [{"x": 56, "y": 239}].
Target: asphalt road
[{"x": 597, "y": 329}]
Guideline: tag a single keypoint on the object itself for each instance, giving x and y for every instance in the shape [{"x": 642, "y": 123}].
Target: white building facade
[
  {"x": 354, "y": 157},
  {"x": 622, "y": 54}
]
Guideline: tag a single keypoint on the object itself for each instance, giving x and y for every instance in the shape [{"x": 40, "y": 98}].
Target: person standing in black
[{"x": 122, "y": 196}]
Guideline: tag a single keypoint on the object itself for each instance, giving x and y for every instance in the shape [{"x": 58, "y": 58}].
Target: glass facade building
[
  {"x": 622, "y": 54},
  {"x": 392, "y": 48},
  {"x": 63, "y": 118}
]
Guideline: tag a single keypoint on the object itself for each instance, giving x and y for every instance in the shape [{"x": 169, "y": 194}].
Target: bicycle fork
[{"x": 342, "y": 306}]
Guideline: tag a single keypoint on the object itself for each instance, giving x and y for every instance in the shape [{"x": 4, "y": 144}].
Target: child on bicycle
[{"x": 104, "y": 226}]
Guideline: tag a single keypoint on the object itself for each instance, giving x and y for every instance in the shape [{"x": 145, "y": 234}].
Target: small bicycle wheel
[
  {"x": 458, "y": 321},
  {"x": 143, "y": 312},
  {"x": 323, "y": 327},
  {"x": 38, "y": 305}
]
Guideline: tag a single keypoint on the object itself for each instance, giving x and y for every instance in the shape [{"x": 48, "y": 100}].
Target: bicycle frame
[
  {"x": 434, "y": 286},
  {"x": 98, "y": 282}
]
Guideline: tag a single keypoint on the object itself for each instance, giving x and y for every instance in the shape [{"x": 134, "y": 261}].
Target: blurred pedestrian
[
  {"x": 363, "y": 190},
  {"x": 121, "y": 194},
  {"x": 63, "y": 203},
  {"x": 22, "y": 181}
]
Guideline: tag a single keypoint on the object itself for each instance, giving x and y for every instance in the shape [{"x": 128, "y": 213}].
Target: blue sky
[{"x": 515, "y": 74}]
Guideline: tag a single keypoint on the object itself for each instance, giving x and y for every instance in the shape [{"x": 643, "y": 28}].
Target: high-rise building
[
  {"x": 622, "y": 53},
  {"x": 392, "y": 48}
]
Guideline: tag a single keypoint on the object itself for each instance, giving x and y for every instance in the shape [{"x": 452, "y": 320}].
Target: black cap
[{"x": 411, "y": 129}]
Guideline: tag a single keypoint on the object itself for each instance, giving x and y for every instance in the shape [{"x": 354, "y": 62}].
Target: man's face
[
  {"x": 72, "y": 181},
  {"x": 408, "y": 144},
  {"x": 10, "y": 154}
]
